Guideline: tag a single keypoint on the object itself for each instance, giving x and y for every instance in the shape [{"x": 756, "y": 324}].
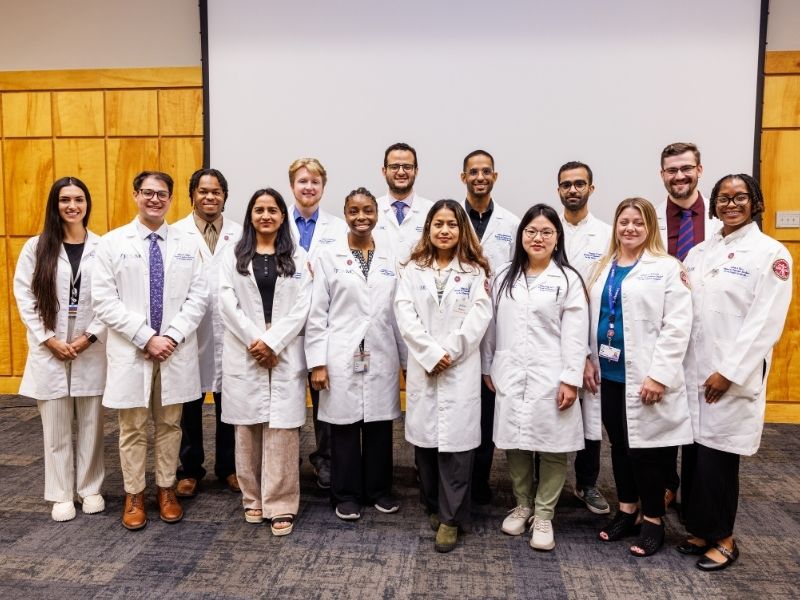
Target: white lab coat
[
  {"x": 712, "y": 225},
  {"x": 345, "y": 309},
  {"x": 443, "y": 411},
  {"x": 327, "y": 231},
  {"x": 740, "y": 305},
  {"x": 254, "y": 394},
  {"x": 210, "y": 330},
  {"x": 45, "y": 377},
  {"x": 499, "y": 237},
  {"x": 121, "y": 300},
  {"x": 401, "y": 238},
  {"x": 657, "y": 320},
  {"x": 586, "y": 243},
  {"x": 536, "y": 341}
]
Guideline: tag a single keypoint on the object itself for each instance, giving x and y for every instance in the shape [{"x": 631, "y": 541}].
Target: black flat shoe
[
  {"x": 650, "y": 539},
  {"x": 622, "y": 525},
  {"x": 689, "y": 549},
  {"x": 707, "y": 564}
]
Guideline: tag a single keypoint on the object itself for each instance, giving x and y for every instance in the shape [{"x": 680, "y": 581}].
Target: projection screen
[{"x": 535, "y": 83}]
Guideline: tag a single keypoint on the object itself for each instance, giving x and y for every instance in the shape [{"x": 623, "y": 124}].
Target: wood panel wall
[
  {"x": 102, "y": 126},
  {"x": 780, "y": 180}
]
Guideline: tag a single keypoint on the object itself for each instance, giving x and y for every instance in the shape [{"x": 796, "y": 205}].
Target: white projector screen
[{"x": 535, "y": 83}]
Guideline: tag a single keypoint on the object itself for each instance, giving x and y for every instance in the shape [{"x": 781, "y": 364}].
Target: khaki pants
[
  {"x": 552, "y": 473},
  {"x": 268, "y": 468},
  {"x": 166, "y": 440}
]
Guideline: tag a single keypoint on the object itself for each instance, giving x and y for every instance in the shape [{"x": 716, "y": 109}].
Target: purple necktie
[
  {"x": 685, "y": 235},
  {"x": 399, "y": 205},
  {"x": 156, "y": 283}
]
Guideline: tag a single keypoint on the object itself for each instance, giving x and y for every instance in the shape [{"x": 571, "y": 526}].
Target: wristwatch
[{"x": 91, "y": 337}]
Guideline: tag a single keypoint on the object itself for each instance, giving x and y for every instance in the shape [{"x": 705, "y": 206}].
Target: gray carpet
[{"x": 214, "y": 553}]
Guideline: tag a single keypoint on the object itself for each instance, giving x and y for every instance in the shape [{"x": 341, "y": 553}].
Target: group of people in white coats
[{"x": 545, "y": 329}]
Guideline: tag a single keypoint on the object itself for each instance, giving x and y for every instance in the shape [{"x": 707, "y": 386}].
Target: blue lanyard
[{"x": 613, "y": 294}]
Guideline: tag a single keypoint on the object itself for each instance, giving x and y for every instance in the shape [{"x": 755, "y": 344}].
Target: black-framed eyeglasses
[
  {"x": 684, "y": 170},
  {"x": 738, "y": 199},
  {"x": 486, "y": 172},
  {"x": 579, "y": 185},
  {"x": 147, "y": 194}
]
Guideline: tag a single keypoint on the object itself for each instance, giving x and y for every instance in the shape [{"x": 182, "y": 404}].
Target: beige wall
[{"x": 90, "y": 34}]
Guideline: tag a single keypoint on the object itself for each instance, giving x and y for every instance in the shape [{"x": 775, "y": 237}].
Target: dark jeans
[
  {"x": 482, "y": 465},
  {"x": 639, "y": 473},
  {"x": 192, "y": 454},
  {"x": 322, "y": 432},
  {"x": 361, "y": 462}
]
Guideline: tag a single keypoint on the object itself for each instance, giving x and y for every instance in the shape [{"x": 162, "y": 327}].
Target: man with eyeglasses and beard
[
  {"x": 586, "y": 238},
  {"x": 683, "y": 222},
  {"x": 401, "y": 212}
]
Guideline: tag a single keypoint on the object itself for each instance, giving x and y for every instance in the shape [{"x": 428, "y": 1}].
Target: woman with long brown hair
[{"x": 65, "y": 371}]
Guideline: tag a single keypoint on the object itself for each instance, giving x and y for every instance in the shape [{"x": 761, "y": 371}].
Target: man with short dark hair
[
  {"x": 401, "y": 212},
  {"x": 586, "y": 240},
  {"x": 496, "y": 229},
  {"x": 148, "y": 288},
  {"x": 208, "y": 192}
]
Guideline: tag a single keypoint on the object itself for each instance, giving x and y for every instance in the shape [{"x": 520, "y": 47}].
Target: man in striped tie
[{"x": 683, "y": 223}]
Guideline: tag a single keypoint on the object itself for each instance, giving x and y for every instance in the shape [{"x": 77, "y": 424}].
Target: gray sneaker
[{"x": 593, "y": 499}]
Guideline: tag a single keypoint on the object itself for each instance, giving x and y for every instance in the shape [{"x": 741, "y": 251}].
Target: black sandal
[
  {"x": 709, "y": 564},
  {"x": 622, "y": 525},
  {"x": 650, "y": 539},
  {"x": 689, "y": 549}
]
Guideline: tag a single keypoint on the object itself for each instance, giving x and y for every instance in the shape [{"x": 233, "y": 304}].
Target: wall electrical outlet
[{"x": 787, "y": 219}]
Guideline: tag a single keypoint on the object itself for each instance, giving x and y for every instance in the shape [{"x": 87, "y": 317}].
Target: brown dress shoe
[
  {"x": 186, "y": 488},
  {"x": 134, "y": 517},
  {"x": 233, "y": 483},
  {"x": 168, "y": 505}
]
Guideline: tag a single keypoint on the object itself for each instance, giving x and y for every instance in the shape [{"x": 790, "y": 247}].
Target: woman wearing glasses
[
  {"x": 641, "y": 318},
  {"x": 534, "y": 353},
  {"x": 66, "y": 366},
  {"x": 741, "y": 290}
]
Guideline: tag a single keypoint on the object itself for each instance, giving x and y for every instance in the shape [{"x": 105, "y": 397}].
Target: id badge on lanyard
[
  {"x": 361, "y": 362},
  {"x": 606, "y": 350}
]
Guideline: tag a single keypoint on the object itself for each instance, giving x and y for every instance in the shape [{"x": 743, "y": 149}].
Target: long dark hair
[
  {"x": 520, "y": 261},
  {"x": 468, "y": 249},
  {"x": 48, "y": 248},
  {"x": 284, "y": 246}
]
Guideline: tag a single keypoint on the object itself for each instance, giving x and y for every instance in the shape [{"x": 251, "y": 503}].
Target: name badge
[
  {"x": 361, "y": 362},
  {"x": 609, "y": 352},
  {"x": 461, "y": 308}
]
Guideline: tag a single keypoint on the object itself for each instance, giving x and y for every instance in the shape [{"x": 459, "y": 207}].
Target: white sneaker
[
  {"x": 542, "y": 538},
  {"x": 517, "y": 520},
  {"x": 93, "y": 504},
  {"x": 63, "y": 511}
]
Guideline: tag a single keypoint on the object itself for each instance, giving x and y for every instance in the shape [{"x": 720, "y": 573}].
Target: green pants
[{"x": 552, "y": 473}]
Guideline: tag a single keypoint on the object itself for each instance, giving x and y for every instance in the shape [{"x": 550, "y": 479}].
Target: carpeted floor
[{"x": 214, "y": 553}]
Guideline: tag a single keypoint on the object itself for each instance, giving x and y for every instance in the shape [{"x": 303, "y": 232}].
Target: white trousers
[{"x": 59, "y": 462}]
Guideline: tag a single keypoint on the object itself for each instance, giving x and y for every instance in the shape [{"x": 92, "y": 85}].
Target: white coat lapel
[
  {"x": 429, "y": 281},
  {"x": 495, "y": 221}
]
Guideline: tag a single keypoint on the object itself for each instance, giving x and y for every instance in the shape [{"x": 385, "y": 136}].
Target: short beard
[{"x": 684, "y": 195}]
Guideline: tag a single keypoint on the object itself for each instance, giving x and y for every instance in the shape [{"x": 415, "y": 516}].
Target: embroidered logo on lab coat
[
  {"x": 503, "y": 237},
  {"x": 738, "y": 271},
  {"x": 781, "y": 268}
]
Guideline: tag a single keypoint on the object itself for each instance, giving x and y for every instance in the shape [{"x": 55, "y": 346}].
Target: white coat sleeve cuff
[{"x": 143, "y": 336}]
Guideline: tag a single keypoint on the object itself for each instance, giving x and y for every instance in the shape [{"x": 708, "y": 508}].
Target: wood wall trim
[
  {"x": 783, "y": 62},
  {"x": 9, "y": 385},
  {"x": 83, "y": 79}
]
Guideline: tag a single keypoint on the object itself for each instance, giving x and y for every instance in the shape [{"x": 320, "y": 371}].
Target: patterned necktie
[
  {"x": 211, "y": 236},
  {"x": 685, "y": 235},
  {"x": 156, "y": 283},
  {"x": 399, "y": 206}
]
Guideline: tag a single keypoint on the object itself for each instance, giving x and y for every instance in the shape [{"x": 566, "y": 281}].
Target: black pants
[
  {"x": 482, "y": 465},
  {"x": 713, "y": 495},
  {"x": 322, "y": 432},
  {"x": 361, "y": 462},
  {"x": 587, "y": 462},
  {"x": 639, "y": 473},
  {"x": 445, "y": 480},
  {"x": 192, "y": 454}
]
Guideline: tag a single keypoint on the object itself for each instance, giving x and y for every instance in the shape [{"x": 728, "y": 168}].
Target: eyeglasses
[
  {"x": 579, "y": 185},
  {"x": 545, "y": 233},
  {"x": 738, "y": 199},
  {"x": 395, "y": 167},
  {"x": 486, "y": 172},
  {"x": 684, "y": 170},
  {"x": 147, "y": 194},
  {"x": 215, "y": 193}
]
